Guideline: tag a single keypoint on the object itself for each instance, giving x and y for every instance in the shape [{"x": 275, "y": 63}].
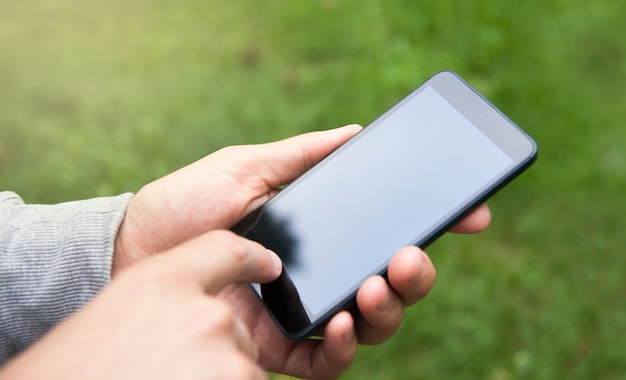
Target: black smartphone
[{"x": 403, "y": 180}]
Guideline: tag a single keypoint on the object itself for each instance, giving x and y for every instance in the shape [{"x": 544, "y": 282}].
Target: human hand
[
  {"x": 160, "y": 320},
  {"x": 216, "y": 192},
  {"x": 219, "y": 190},
  {"x": 378, "y": 315}
]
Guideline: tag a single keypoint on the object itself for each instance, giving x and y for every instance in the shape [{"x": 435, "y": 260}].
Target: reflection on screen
[{"x": 405, "y": 175}]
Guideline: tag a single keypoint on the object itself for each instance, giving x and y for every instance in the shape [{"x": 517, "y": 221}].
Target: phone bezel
[{"x": 476, "y": 109}]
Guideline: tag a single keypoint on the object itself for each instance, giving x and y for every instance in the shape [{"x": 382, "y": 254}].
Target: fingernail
[
  {"x": 422, "y": 264},
  {"x": 421, "y": 270},
  {"x": 278, "y": 264}
]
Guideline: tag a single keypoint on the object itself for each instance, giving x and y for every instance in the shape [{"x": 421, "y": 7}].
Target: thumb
[
  {"x": 279, "y": 163},
  {"x": 220, "y": 258}
]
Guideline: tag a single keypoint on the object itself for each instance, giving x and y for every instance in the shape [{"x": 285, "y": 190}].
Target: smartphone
[{"x": 403, "y": 180}]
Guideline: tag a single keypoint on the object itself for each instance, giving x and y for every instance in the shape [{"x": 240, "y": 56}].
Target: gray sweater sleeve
[{"x": 53, "y": 260}]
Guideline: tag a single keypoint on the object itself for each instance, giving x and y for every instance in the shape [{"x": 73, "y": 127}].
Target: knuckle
[
  {"x": 237, "y": 246},
  {"x": 213, "y": 317},
  {"x": 223, "y": 318}
]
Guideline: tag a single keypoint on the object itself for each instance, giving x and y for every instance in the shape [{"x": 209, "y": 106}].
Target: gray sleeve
[{"x": 53, "y": 260}]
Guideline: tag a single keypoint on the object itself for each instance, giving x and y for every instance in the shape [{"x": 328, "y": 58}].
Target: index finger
[
  {"x": 220, "y": 258},
  {"x": 474, "y": 222}
]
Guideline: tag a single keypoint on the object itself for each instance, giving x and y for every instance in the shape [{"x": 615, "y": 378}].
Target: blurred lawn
[{"x": 98, "y": 98}]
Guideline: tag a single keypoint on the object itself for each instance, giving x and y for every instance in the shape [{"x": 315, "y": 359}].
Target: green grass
[{"x": 98, "y": 98}]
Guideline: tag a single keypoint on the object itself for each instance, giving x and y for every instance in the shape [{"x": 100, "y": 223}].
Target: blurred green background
[{"x": 100, "y": 97}]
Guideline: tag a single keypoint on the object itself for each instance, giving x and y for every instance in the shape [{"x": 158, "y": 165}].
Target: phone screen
[{"x": 416, "y": 169}]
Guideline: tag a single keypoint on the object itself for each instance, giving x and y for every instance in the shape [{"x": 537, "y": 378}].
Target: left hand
[{"x": 220, "y": 189}]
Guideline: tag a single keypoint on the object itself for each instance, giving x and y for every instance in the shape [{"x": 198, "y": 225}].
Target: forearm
[{"x": 54, "y": 259}]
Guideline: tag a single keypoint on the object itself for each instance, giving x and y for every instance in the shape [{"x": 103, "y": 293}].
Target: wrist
[
  {"x": 125, "y": 250},
  {"x": 118, "y": 261}
]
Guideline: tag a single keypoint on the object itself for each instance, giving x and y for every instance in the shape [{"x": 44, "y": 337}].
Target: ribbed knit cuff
[{"x": 53, "y": 260}]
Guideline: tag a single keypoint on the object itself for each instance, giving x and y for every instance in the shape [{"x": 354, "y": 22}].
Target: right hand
[{"x": 160, "y": 320}]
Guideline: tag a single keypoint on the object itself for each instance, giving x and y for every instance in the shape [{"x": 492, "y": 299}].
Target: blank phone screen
[{"x": 343, "y": 221}]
